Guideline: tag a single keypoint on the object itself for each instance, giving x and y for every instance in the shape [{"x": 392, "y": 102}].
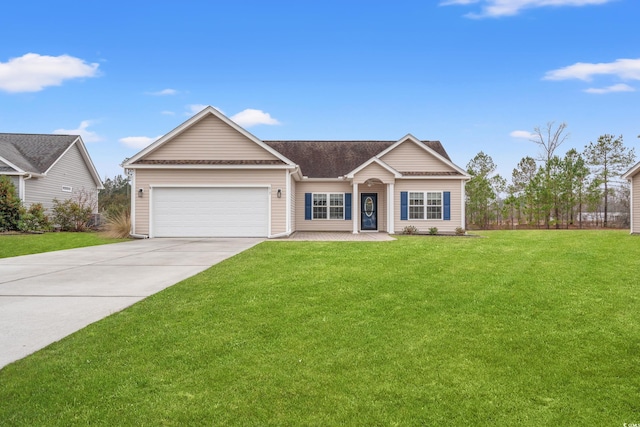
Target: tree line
[{"x": 579, "y": 189}]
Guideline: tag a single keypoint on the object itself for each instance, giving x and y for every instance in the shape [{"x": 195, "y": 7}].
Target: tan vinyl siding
[
  {"x": 320, "y": 224},
  {"x": 292, "y": 198},
  {"x": 373, "y": 171},
  {"x": 408, "y": 157},
  {"x": 635, "y": 209},
  {"x": 451, "y": 185},
  {"x": 71, "y": 171},
  {"x": 210, "y": 139},
  {"x": 145, "y": 178}
]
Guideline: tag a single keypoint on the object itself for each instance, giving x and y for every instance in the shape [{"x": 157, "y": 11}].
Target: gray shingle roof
[
  {"x": 331, "y": 159},
  {"x": 33, "y": 153}
]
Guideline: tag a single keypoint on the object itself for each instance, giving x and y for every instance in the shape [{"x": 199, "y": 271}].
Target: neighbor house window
[
  {"x": 328, "y": 206},
  {"x": 67, "y": 189},
  {"x": 425, "y": 205}
]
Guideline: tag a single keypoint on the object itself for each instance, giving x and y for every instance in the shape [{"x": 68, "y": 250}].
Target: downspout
[{"x": 21, "y": 186}]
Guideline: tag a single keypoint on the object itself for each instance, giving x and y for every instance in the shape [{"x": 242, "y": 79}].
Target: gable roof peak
[{"x": 205, "y": 112}]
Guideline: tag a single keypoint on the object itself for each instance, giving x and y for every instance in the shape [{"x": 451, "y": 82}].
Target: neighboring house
[
  {"x": 211, "y": 178},
  {"x": 633, "y": 175},
  {"x": 46, "y": 167}
]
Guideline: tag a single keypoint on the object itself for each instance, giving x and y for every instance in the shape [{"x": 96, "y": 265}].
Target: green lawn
[
  {"x": 25, "y": 244},
  {"x": 537, "y": 328}
]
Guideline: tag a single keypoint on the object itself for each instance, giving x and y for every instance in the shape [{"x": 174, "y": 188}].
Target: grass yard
[
  {"x": 24, "y": 244},
  {"x": 537, "y": 328}
]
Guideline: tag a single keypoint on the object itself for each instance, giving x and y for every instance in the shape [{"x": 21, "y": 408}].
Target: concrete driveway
[{"x": 46, "y": 297}]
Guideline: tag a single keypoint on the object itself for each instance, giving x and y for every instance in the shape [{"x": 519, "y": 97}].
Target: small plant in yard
[
  {"x": 34, "y": 219},
  {"x": 460, "y": 231},
  {"x": 433, "y": 231},
  {"x": 410, "y": 229},
  {"x": 118, "y": 225}
]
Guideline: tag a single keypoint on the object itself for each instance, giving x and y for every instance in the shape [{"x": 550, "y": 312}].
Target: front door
[{"x": 369, "y": 211}]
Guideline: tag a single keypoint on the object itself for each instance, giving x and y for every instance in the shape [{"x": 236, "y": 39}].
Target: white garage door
[{"x": 210, "y": 212}]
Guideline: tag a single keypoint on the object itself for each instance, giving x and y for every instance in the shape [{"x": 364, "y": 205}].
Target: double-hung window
[
  {"x": 328, "y": 205},
  {"x": 425, "y": 205}
]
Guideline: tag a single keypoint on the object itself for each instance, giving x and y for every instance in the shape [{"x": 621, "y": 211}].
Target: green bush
[
  {"x": 460, "y": 231},
  {"x": 34, "y": 219},
  {"x": 10, "y": 205},
  {"x": 433, "y": 231},
  {"x": 73, "y": 214},
  {"x": 410, "y": 229}
]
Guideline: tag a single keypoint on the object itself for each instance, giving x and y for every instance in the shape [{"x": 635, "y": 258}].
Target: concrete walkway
[
  {"x": 339, "y": 236},
  {"x": 45, "y": 297}
]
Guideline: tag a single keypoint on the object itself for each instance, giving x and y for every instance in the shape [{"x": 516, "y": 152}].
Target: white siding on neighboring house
[
  {"x": 210, "y": 138},
  {"x": 408, "y": 157},
  {"x": 70, "y": 172}
]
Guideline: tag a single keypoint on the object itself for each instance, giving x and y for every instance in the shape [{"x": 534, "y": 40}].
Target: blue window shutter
[
  {"x": 347, "y": 206},
  {"x": 307, "y": 205},
  {"x": 446, "y": 196},
  {"x": 404, "y": 202}
]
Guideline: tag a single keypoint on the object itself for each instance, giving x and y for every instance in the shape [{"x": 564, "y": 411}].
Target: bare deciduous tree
[{"x": 549, "y": 139}]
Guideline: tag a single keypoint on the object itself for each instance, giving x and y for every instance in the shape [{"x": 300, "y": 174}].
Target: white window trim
[
  {"x": 328, "y": 206},
  {"x": 67, "y": 189},
  {"x": 425, "y": 206}
]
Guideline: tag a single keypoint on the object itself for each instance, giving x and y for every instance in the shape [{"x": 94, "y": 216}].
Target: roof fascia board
[
  {"x": 457, "y": 177},
  {"x": 376, "y": 160},
  {"x": 307, "y": 179},
  {"x": 192, "y": 121},
  {"x": 8, "y": 163},
  {"x": 87, "y": 161},
  {"x": 409, "y": 137},
  {"x": 252, "y": 167},
  {"x": 631, "y": 172}
]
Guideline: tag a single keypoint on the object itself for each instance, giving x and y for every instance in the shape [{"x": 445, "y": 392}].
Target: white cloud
[
  {"x": 32, "y": 72},
  {"x": 498, "y": 8},
  {"x": 164, "y": 92},
  {"x": 628, "y": 69},
  {"x": 193, "y": 109},
  {"x": 522, "y": 134},
  {"x": 86, "y": 134},
  {"x": 138, "y": 142},
  {"x": 251, "y": 117},
  {"x": 168, "y": 113},
  {"x": 615, "y": 88}
]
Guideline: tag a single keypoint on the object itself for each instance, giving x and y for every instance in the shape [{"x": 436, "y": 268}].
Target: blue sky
[{"x": 477, "y": 75}]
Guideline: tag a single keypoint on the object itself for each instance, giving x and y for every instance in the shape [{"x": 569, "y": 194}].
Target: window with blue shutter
[
  {"x": 404, "y": 202},
  {"x": 347, "y": 206},
  {"x": 446, "y": 196},
  {"x": 307, "y": 206}
]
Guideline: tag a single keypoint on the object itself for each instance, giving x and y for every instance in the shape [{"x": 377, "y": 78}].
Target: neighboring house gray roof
[
  {"x": 331, "y": 159},
  {"x": 33, "y": 153}
]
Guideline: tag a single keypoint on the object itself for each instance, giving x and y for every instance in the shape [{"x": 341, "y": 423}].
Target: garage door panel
[{"x": 210, "y": 212}]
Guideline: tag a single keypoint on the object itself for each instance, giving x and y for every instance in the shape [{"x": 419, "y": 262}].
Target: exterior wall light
[
  {"x": 140, "y": 192},
  {"x": 279, "y": 193}
]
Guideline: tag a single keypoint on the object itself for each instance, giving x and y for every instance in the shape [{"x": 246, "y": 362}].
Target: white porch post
[
  {"x": 355, "y": 208},
  {"x": 390, "y": 203}
]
